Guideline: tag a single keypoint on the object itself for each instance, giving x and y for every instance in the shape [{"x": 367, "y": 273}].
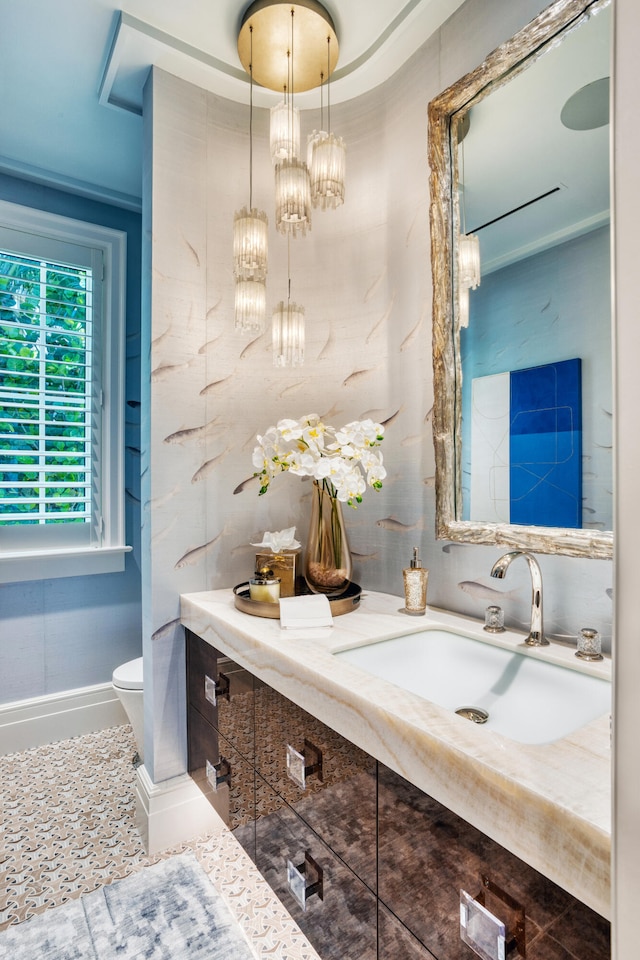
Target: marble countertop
[{"x": 549, "y": 804}]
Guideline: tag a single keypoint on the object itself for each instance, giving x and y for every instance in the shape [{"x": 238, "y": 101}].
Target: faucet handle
[{"x": 494, "y": 619}]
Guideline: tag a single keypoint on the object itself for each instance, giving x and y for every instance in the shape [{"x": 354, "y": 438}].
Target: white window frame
[{"x": 23, "y": 559}]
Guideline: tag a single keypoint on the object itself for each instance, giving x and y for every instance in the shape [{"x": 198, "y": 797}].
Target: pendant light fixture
[
  {"x": 284, "y": 131},
  {"x": 469, "y": 260},
  {"x": 250, "y": 244},
  {"x": 250, "y": 248},
  {"x": 287, "y": 327},
  {"x": 468, "y": 243},
  {"x": 468, "y": 272},
  {"x": 326, "y": 157},
  {"x": 284, "y": 126},
  {"x": 271, "y": 23},
  {"x": 287, "y": 332},
  {"x": 293, "y": 196},
  {"x": 295, "y": 42},
  {"x": 250, "y": 306}
]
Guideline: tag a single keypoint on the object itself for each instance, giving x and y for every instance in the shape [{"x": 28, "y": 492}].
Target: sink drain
[{"x": 476, "y": 714}]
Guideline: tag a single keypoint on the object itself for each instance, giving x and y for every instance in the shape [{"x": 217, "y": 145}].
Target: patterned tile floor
[{"x": 68, "y": 827}]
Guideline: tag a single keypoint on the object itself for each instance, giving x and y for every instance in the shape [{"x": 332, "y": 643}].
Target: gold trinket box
[{"x": 283, "y": 565}]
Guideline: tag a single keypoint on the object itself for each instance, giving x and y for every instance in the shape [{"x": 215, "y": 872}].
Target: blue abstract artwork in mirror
[
  {"x": 545, "y": 443},
  {"x": 526, "y": 439}
]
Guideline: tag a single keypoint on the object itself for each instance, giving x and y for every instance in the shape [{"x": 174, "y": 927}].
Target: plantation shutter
[{"x": 50, "y": 391}]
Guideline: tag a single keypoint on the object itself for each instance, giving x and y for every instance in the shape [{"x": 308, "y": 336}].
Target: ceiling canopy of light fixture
[{"x": 273, "y": 56}]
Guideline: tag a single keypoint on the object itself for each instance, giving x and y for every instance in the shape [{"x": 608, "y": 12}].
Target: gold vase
[{"x": 327, "y": 565}]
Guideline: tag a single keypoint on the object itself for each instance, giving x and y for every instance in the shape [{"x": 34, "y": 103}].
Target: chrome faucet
[{"x": 536, "y": 636}]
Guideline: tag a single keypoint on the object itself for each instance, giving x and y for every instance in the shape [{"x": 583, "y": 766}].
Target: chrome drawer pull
[
  {"x": 492, "y": 934},
  {"x": 218, "y": 773},
  {"x": 302, "y": 765},
  {"x": 216, "y": 689},
  {"x": 305, "y": 880}
]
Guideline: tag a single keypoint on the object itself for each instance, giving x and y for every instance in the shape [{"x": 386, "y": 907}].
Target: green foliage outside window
[{"x": 45, "y": 376}]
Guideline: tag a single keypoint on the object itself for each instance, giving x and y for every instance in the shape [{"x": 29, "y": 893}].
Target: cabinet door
[
  {"x": 427, "y": 854},
  {"x": 339, "y": 915},
  {"x": 338, "y": 799}
]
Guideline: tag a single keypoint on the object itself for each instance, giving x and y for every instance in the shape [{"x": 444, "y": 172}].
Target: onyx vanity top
[{"x": 549, "y": 804}]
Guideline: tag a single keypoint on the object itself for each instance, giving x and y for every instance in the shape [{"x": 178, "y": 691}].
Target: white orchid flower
[
  {"x": 302, "y": 464},
  {"x": 344, "y": 460}
]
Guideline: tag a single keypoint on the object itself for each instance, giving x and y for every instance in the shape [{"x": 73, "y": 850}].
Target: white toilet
[{"x": 127, "y": 683}]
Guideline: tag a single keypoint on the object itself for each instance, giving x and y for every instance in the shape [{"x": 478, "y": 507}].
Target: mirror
[{"x": 519, "y": 158}]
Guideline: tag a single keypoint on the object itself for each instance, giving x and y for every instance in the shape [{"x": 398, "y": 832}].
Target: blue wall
[{"x": 71, "y": 632}]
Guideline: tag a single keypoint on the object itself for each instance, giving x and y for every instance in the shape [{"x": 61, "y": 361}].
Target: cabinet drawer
[
  {"x": 344, "y": 815},
  {"x": 202, "y": 673},
  {"x": 213, "y": 677},
  {"x": 395, "y": 941},
  {"x": 223, "y": 775},
  {"x": 280, "y": 725},
  {"x": 341, "y": 925},
  {"x": 202, "y": 741},
  {"x": 236, "y": 713},
  {"x": 338, "y": 800},
  {"x": 203, "y": 758}
]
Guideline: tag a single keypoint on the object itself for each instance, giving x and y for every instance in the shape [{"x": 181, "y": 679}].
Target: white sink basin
[{"x": 527, "y": 698}]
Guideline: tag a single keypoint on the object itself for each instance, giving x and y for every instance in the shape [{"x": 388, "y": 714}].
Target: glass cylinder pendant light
[
  {"x": 250, "y": 306},
  {"x": 250, "y": 249},
  {"x": 469, "y": 260},
  {"x": 250, "y": 244},
  {"x": 284, "y": 131},
  {"x": 327, "y": 170},
  {"x": 293, "y": 197},
  {"x": 468, "y": 272},
  {"x": 287, "y": 332},
  {"x": 463, "y": 303},
  {"x": 327, "y": 158},
  {"x": 287, "y": 327},
  {"x": 468, "y": 243},
  {"x": 293, "y": 194}
]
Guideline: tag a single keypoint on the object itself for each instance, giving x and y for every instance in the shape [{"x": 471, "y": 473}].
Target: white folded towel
[{"x": 311, "y": 610}]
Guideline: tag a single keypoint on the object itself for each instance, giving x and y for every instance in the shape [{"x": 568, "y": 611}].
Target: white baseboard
[
  {"x": 176, "y": 810},
  {"x": 41, "y": 720}
]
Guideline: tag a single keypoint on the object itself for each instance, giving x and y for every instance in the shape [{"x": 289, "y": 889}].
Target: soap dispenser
[{"x": 415, "y": 586}]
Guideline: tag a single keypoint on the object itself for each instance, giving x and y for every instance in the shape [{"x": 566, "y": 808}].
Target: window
[
  {"x": 61, "y": 396},
  {"x": 48, "y": 388}
]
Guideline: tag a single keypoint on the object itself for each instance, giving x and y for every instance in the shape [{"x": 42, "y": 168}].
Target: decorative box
[{"x": 284, "y": 565}]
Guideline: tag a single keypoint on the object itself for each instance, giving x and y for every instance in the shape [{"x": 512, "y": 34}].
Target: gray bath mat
[{"x": 169, "y": 911}]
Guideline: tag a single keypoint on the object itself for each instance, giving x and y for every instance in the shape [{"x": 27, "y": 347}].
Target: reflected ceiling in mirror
[{"x": 519, "y": 155}]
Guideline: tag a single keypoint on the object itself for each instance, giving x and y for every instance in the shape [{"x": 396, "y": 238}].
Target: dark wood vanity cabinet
[
  {"x": 381, "y": 862},
  {"x": 298, "y": 760},
  {"x": 300, "y": 799}
]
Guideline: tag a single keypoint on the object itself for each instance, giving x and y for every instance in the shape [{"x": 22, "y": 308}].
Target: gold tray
[{"x": 345, "y": 603}]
